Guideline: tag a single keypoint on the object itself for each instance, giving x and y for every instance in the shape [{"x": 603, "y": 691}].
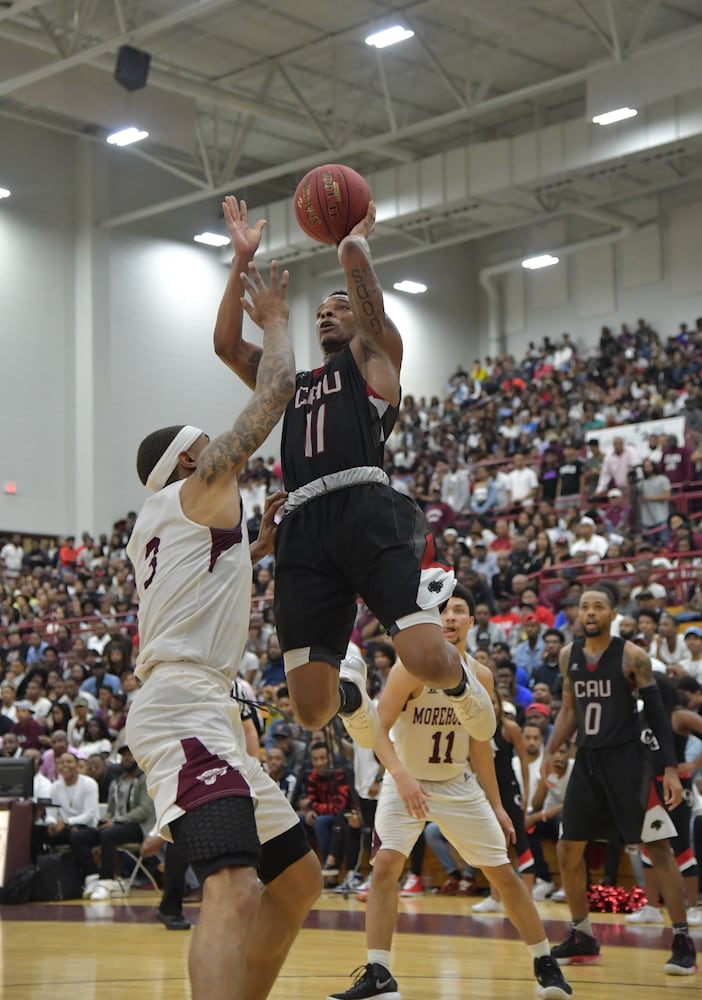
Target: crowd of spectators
[{"x": 522, "y": 499}]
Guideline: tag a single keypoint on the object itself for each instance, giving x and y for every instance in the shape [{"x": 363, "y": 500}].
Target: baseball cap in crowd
[
  {"x": 614, "y": 492},
  {"x": 482, "y": 638},
  {"x": 504, "y": 646},
  {"x": 693, "y": 630},
  {"x": 538, "y": 708},
  {"x": 587, "y": 520},
  {"x": 282, "y": 731},
  {"x": 28, "y": 707},
  {"x": 530, "y": 617},
  {"x": 644, "y": 595},
  {"x": 80, "y": 701}
]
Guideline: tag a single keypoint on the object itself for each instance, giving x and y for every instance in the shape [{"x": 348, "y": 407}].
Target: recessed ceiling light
[
  {"x": 4, "y": 193},
  {"x": 543, "y": 260},
  {"x": 126, "y": 136},
  {"x": 389, "y": 36},
  {"x": 618, "y": 115},
  {"x": 212, "y": 239},
  {"x": 413, "y": 287}
]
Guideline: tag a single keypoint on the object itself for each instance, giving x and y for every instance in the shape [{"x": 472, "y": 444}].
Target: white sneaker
[
  {"x": 558, "y": 896},
  {"x": 542, "y": 890},
  {"x": 90, "y": 883},
  {"x": 646, "y": 915},
  {"x": 362, "y": 725},
  {"x": 106, "y": 888},
  {"x": 474, "y": 708},
  {"x": 488, "y": 905},
  {"x": 694, "y": 916}
]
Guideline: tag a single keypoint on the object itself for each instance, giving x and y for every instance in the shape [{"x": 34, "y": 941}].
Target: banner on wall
[{"x": 637, "y": 434}]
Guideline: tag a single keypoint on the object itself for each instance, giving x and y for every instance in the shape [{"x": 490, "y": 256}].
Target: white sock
[
  {"x": 378, "y": 957},
  {"x": 540, "y": 949},
  {"x": 583, "y": 925}
]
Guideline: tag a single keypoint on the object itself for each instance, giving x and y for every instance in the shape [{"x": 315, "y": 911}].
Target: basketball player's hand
[
  {"x": 266, "y": 306},
  {"x": 266, "y": 533},
  {"x": 506, "y": 824},
  {"x": 413, "y": 796},
  {"x": 245, "y": 240},
  {"x": 672, "y": 789},
  {"x": 367, "y": 224}
]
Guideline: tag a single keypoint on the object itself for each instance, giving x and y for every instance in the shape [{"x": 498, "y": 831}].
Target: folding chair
[{"x": 133, "y": 852}]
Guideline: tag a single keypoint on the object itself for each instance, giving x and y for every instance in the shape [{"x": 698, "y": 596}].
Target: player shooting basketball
[{"x": 346, "y": 531}]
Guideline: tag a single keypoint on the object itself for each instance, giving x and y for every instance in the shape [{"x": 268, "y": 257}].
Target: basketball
[{"x": 329, "y": 201}]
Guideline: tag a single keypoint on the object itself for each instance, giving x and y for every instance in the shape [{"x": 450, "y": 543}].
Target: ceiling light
[
  {"x": 126, "y": 136},
  {"x": 389, "y": 36},
  {"x": 4, "y": 193},
  {"x": 610, "y": 117},
  {"x": 212, "y": 239},
  {"x": 543, "y": 260},
  {"x": 413, "y": 287}
]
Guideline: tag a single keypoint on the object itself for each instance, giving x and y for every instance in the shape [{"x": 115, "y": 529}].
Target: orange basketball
[{"x": 329, "y": 201}]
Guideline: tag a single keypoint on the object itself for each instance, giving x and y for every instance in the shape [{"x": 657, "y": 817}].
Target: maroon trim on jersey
[
  {"x": 205, "y": 777},
  {"x": 592, "y": 667},
  {"x": 316, "y": 372},
  {"x": 222, "y": 539}
]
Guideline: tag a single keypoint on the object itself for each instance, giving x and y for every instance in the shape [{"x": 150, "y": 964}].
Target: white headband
[{"x": 163, "y": 470}]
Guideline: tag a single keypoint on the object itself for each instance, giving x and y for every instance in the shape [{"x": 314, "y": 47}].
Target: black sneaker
[
  {"x": 552, "y": 985},
  {"x": 682, "y": 961},
  {"x": 577, "y": 949},
  {"x": 371, "y": 981},
  {"x": 173, "y": 921}
]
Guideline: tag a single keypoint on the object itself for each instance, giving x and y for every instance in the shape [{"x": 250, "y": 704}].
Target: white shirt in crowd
[{"x": 77, "y": 804}]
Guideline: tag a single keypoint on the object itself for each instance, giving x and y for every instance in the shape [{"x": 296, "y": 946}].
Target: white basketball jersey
[
  {"x": 429, "y": 739},
  {"x": 194, "y": 586}
]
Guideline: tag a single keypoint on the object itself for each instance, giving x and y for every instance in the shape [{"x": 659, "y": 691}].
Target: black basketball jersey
[
  {"x": 333, "y": 422},
  {"x": 605, "y": 703}
]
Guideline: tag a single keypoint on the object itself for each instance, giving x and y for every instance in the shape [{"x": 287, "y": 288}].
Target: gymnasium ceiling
[{"x": 247, "y": 95}]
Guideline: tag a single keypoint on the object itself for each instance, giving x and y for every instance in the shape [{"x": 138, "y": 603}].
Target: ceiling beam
[
  {"x": 144, "y": 31},
  {"x": 19, "y": 7}
]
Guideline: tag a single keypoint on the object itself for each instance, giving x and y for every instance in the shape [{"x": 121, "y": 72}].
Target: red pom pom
[{"x": 615, "y": 899}]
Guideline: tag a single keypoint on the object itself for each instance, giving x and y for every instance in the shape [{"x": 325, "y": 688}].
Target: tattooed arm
[
  {"x": 207, "y": 496},
  {"x": 377, "y": 346},
  {"x": 238, "y": 354}
]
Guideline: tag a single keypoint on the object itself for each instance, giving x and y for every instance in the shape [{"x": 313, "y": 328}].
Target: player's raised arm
[
  {"x": 238, "y": 354},
  {"x": 222, "y": 460},
  {"x": 378, "y": 335}
]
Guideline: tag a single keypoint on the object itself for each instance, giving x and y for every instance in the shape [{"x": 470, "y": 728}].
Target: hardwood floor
[{"x": 99, "y": 951}]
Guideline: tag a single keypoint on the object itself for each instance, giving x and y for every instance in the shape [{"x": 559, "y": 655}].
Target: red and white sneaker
[{"x": 413, "y": 886}]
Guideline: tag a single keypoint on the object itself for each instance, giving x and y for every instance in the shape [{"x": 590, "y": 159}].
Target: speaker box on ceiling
[{"x": 132, "y": 67}]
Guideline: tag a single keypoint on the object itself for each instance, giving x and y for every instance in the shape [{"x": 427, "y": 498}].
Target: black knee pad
[{"x": 219, "y": 834}]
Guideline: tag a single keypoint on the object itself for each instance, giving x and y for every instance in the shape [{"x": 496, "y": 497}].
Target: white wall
[{"x": 653, "y": 274}]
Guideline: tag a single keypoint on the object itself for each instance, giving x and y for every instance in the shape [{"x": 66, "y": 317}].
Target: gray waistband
[{"x": 360, "y": 476}]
